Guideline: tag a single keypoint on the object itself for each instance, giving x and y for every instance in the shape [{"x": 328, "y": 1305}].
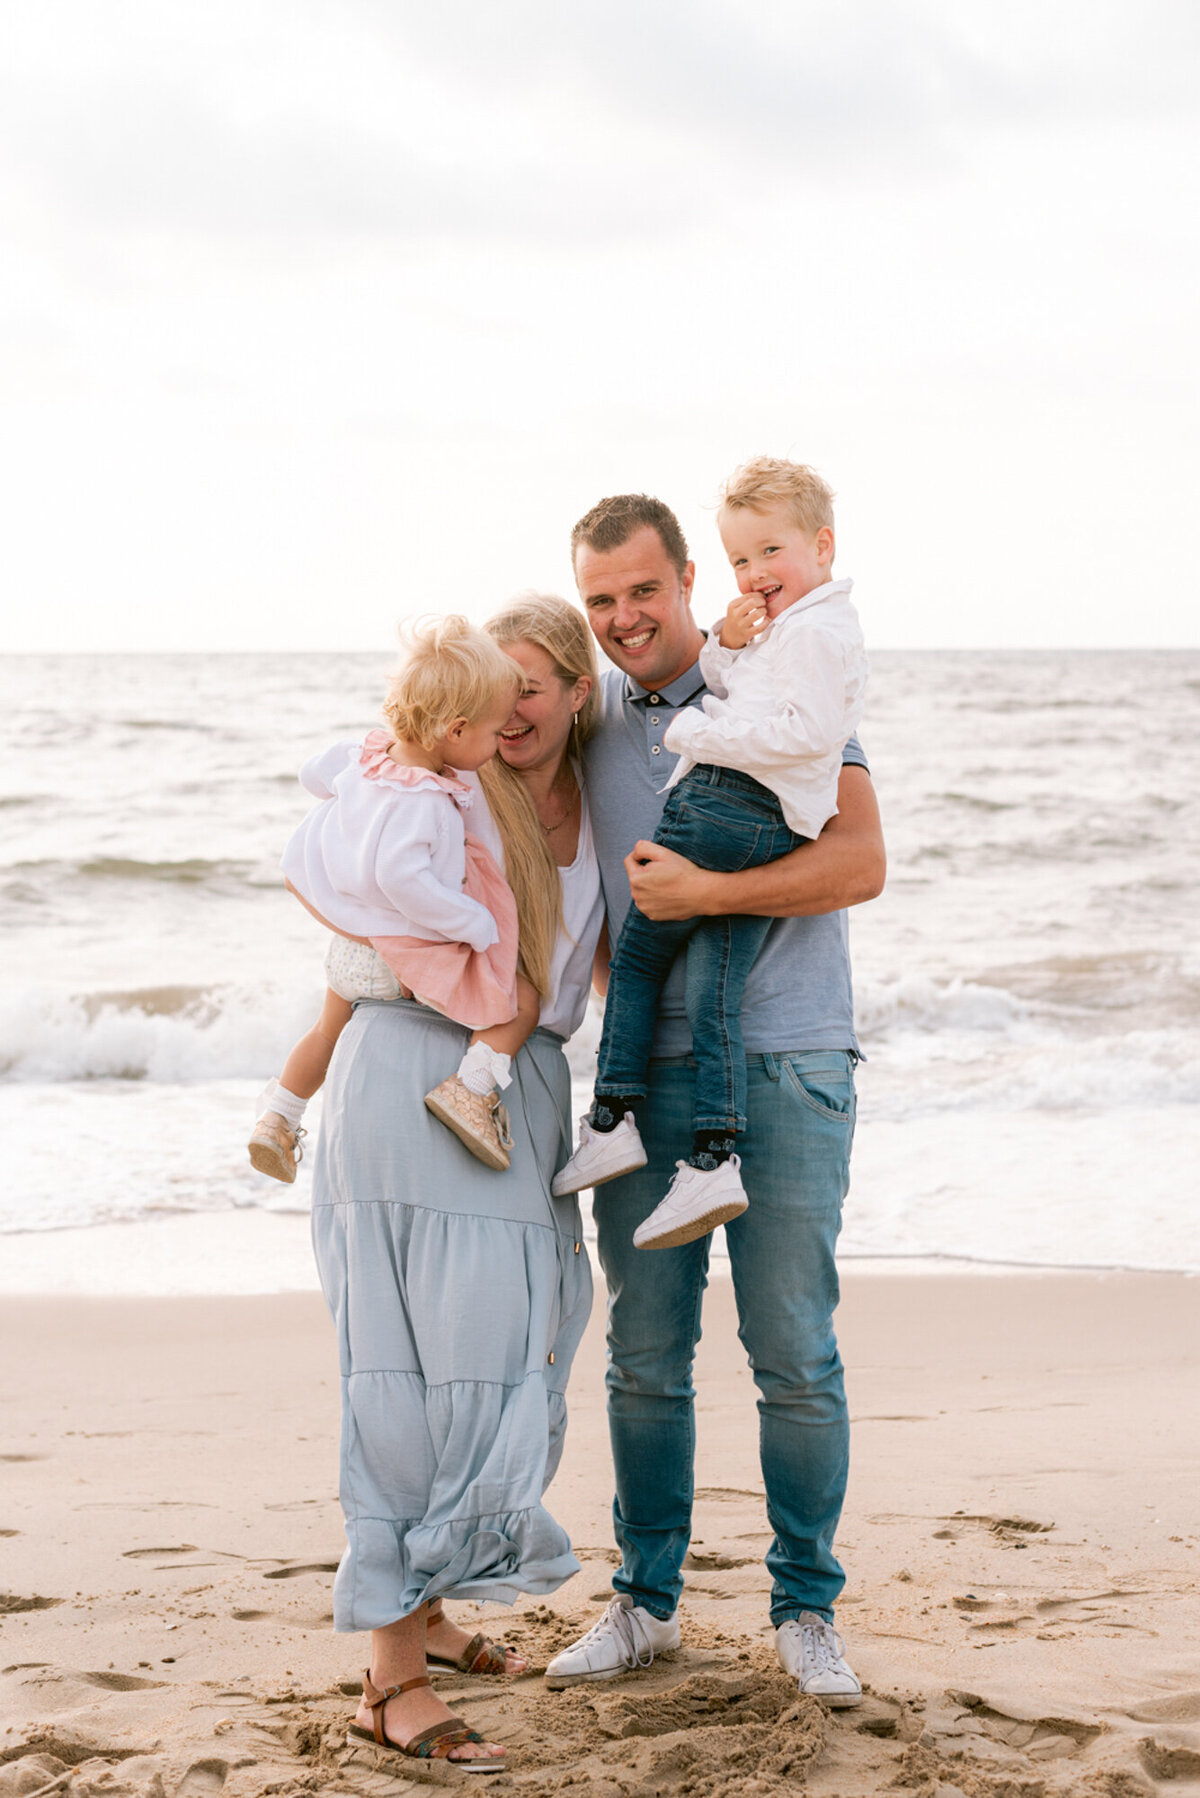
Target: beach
[{"x": 1021, "y": 1543}]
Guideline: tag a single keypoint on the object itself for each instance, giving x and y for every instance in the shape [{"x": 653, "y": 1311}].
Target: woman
[{"x": 460, "y": 1294}]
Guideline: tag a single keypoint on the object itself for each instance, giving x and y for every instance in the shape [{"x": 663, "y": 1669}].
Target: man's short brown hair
[
  {"x": 612, "y": 522},
  {"x": 767, "y": 482}
]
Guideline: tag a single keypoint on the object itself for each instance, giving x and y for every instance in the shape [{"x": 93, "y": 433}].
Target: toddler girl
[{"x": 386, "y": 861}]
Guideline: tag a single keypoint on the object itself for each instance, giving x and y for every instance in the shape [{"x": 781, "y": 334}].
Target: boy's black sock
[
  {"x": 711, "y": 1148},
  {"x": 607, "y": 1113}
]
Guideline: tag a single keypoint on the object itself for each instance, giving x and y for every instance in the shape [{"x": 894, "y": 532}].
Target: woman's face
[{"x": 538, "y": 731}]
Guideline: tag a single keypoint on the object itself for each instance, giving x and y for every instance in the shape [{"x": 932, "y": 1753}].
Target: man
[{"x": 635, "y": 581}]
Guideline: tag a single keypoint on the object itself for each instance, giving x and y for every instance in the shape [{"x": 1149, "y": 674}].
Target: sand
[{"x": 1021, "y": 1540}]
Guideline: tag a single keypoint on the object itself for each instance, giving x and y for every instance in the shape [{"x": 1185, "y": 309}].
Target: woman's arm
[
  {"x": 845, "y": 865},
  {"x": 600, "y": 962}
]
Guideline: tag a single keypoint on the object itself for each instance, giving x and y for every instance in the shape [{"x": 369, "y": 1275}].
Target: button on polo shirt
[{"x": 659, "y": 708}]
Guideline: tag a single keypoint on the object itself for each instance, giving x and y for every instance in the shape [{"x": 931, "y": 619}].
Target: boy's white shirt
[
  {"x": 382, "y": 859},
  {"x": 782, "y": 708}
]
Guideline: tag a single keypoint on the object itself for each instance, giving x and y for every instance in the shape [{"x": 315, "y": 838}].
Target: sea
[{"x": 1027, "y": 987}]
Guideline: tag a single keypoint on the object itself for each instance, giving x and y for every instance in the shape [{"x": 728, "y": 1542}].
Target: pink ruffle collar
[{"x": 377, "y": 764}]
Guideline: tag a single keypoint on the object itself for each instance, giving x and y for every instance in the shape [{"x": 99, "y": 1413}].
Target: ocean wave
[
  {"x": 191, "y": 871},
  {"x": 917, "y": 1002},
  {"x": 165, "y": 1034}
]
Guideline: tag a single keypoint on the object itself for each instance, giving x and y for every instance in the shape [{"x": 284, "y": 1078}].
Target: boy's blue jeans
[
  {"x": 796, "y": 1169},
  {"x": 722, "y": 820}
]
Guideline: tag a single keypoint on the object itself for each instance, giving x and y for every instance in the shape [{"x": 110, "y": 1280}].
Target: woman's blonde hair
[
  {"x": 556, "y": 627},
  {"x": 451, "y": 670}
]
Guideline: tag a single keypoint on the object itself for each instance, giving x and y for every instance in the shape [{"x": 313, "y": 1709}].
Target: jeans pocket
[
  {"x": 717, "y": 839},
  {"x": 828, "y": 1092}
]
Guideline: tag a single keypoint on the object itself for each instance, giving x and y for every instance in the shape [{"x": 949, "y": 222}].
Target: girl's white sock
[
  {"x": 483, "y": 1068},
  {"x": 289, "y": 1105}
]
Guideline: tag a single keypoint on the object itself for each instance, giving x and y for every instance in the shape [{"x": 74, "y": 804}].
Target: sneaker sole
[
  {"x": 265, "y": 1159},
  {"x": 695, "y": 1227},
  {"x": 482, "y": 1151},
  {"x": 614, "y": 1173},
  {"x": 558, "y": 1682},
  {"x": 837, "y": 1701}
]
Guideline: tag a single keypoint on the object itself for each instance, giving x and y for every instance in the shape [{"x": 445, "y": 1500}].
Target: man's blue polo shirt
[{"x": 798, "y": 995}]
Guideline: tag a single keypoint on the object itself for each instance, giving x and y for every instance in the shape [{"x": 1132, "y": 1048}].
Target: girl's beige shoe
[
  {"x": 479, "y": 1121},
  {"x": 275, "y": 1150}
]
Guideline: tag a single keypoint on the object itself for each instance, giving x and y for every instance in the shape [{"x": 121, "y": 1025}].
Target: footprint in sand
[
  {"x": 146, "y": 1554},
  {"x": 120, "y": 1682},
  {"x": 11, "y": 1602},
  {"x": 1181, "y": 1707},
  {"x": 294, "y": 1571},
  {"x": 728, "y": 1494},
  {"x": 203, "y": 1779},
  {"x": 700, "y": 1560}
]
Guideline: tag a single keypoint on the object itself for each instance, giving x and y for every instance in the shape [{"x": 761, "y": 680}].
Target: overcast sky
[{"x": 319, "y": 312}]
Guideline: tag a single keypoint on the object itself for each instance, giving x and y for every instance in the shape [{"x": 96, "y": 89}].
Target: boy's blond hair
[
  {"x": 767, "y": 481},
  {"x": 451, "y": 670}
]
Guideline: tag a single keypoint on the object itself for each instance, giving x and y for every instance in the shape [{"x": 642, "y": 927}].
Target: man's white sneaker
[
  {"x": 698, "y": 1199},
  {"x": 602, "y": 1155},
  {"x": 812, "y": 1652},
  {"x": 626, "y": 1637}
]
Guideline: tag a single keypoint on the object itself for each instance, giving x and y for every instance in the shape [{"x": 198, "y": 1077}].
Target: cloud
[{"x": 537, "y": 121}]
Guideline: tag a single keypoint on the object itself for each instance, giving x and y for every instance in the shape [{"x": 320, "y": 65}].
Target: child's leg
[
  {"x": 719, "y": 959},
  {"x": 644, "y": 955},
  {"x": 486, "y": 1063},
  {"x": 305, "y": 1069}
]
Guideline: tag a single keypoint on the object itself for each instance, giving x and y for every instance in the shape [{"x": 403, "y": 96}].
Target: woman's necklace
[{"x": 549, "y": 829}]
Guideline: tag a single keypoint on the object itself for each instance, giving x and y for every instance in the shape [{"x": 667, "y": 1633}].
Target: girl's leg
[
  {"x": 305, "y": 1069},
  {"x": 397, "y": 1655},
  {"x": 468, "y": 1102},
  {"x": 273, "y": 1144},
  {"x": 486, "y": 1063}
]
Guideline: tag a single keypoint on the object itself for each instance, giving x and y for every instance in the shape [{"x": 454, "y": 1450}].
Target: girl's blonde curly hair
[{"x": 451, "y": 670}]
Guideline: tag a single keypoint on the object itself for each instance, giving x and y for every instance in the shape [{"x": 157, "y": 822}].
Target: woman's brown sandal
[
  {"x": 433, "y": 1744},
  {"x": 479, "y": 1656}
]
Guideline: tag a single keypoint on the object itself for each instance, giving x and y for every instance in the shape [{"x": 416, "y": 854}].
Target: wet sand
[{"x": 1021, "y": 1539}]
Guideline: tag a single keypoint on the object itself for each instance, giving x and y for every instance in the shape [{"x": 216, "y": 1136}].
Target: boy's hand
[{"x": 745, "y": 619}]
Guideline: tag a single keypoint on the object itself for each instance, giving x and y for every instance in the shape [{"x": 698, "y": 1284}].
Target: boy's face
[{"x": 772, "y": 555}]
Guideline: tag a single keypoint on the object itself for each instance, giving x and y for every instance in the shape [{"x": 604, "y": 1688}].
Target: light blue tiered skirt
[{"x": 459, "y": 1296}]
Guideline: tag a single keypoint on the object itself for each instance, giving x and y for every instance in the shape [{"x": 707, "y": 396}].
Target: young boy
[{"x": 757, "y": 775}]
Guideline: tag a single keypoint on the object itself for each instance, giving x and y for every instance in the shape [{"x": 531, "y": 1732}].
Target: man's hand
[
  {"x": 845, "y": 866},
  {"x": 745, "y": 620},
  {"x": 664, "y": 884}
]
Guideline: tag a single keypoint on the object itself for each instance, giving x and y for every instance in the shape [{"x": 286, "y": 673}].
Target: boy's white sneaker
[
  {"x": 698, "y": 1199},
  {"x": 602, "y": 1155},
  {"x": 626, "y": 1637},
  {"x": 813, "y": 1653}
]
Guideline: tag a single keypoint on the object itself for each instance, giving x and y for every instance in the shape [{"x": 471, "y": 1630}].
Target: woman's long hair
[{"x": 556, "y": 627}]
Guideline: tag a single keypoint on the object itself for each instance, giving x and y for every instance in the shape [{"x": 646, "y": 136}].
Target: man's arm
[{"x": 844, "y": 866}]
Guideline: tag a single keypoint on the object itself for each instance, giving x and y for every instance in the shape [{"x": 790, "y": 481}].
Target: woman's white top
[
  {"x": 385, "y": 857},
  {"x": 782, "y": 708},
  {"x": 583, "y": 914}
]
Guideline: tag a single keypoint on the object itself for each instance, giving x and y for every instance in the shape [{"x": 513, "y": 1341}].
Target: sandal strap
[
  {"x": 377, "y": 1696},
  {"x": 482, "y": 1656},
  {"x": 450, "y": 1734}
]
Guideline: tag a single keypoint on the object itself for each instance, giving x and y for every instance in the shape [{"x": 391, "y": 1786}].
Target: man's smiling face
[{"x": 639, "y": 607}]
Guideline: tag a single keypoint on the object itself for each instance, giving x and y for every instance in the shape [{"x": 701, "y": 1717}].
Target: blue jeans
[
  {"x": 725, "y": 821},
  {"x": 796, "y": 1171}
]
